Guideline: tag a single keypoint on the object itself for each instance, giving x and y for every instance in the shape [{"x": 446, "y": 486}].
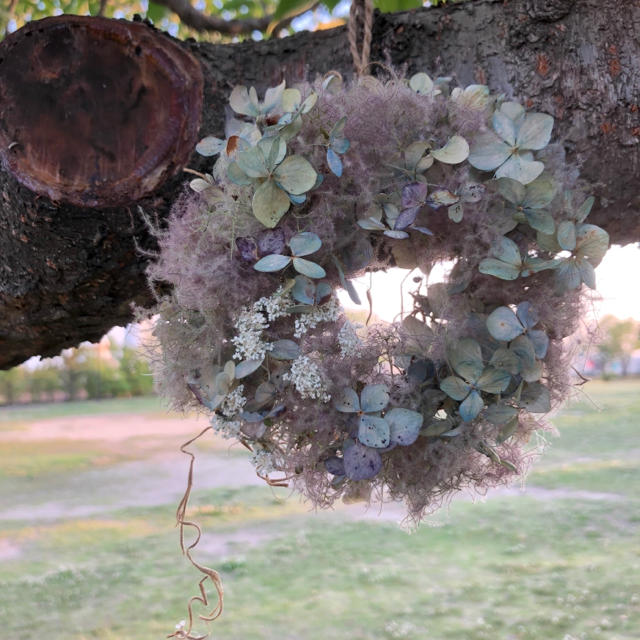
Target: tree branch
[
  {"x": 69, "y": 269},
  {"x": 191, "y": 17}
]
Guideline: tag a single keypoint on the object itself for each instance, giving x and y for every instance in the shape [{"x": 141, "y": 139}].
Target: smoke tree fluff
[{"x": 317, "y": 184}]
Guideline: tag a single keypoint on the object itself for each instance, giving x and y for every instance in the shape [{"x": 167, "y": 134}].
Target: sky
[
  {"x": 617, "y": 284},
  {"x": 618, "y": 291}
]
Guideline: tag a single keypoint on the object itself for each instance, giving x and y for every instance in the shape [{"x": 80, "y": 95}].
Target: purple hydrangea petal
[
  {"x": 414, "y": 194},
  {"x": 335, "y": 466},
  {"x": 361, "y": 462},
  {"x": 406, "y": 217},
  {"x": 270, "y": 241},
  {"x": 247, "y": 249}
]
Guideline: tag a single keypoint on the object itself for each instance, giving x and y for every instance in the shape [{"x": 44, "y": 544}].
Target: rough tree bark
[{"x": 102, "y": 120}]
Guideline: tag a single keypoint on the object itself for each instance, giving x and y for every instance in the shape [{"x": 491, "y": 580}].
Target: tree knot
[{"x": 549, "y": 10}]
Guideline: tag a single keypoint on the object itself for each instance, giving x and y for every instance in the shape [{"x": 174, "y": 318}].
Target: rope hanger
[{"x": 359, "y": 32}]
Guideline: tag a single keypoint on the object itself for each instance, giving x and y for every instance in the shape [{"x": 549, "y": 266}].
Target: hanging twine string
[
  {"x": 359, "y": 30},
  {"x": 184, "y": 632}
]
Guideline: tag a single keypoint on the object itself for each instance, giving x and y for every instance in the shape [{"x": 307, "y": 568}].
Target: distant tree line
[
  {"x": 111, "y": 371},
  {"x": 84, "y": 372},
  {"x": 618, "y": 341}
]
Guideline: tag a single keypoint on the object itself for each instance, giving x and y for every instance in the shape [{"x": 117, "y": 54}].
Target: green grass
[
  {"x": 598, "y": 447},
  {"x": 511, "y": 568},
  {"x": 44, "y": 459},
  {"x": 41, "y": 460},
  {"x": 489, "y": 571},
  {"x": 614, "y": 476},
  {"x": 27, "y": 413},
  {"x": 602, "y": 419},
  {"x": 483, "y": 574}
]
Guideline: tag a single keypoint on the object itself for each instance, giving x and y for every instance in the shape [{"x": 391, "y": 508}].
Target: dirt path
[
  {"x": 159, "y": 478},
  {"x": 114, "y": 429},
  {"x": 156, "y": 477},
  {"x": 153, "y": 482}
]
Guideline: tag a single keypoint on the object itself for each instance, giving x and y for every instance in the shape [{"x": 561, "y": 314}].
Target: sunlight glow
[
  {"x": 618, "y": 293},
  {"x": 617, "y": 285},
  {"x": 387, "y": 301}
]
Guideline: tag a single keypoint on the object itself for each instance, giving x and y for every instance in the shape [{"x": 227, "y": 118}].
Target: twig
[
  {"x": 582, "y": 378},
  {"x": 370, "y": 298},
  {"x": 195, "y": 173},
  {"x": 275, "y": 482}
]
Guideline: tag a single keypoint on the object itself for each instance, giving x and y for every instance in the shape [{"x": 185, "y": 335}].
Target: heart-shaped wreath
[{"x": 318, "y": 184}]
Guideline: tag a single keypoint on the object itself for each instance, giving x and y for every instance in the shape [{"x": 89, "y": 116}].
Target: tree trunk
[
  {"x": 625, "y": 361},
  {"x": 98, "y": 117}
]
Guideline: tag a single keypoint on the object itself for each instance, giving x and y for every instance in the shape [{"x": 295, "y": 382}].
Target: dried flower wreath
[{"x": 318, "y": 184}]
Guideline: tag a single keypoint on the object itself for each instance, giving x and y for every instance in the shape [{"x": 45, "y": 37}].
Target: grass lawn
[
  {"x": 20, "y": 414},
  {"x": 562, "y": 565}
]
